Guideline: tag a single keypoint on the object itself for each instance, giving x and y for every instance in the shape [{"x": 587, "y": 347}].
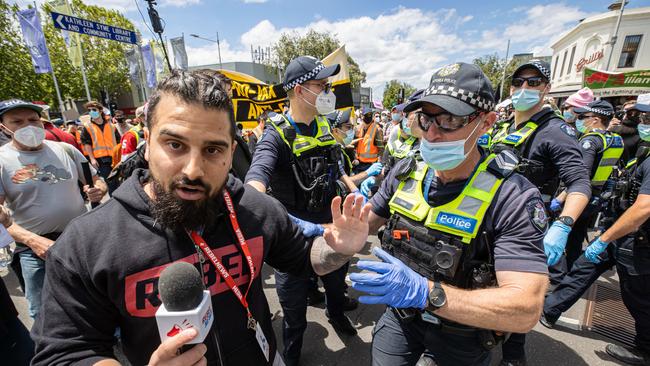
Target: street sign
[{"x": 83, "y": 26}]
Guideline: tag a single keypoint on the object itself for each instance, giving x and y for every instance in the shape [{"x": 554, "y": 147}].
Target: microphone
[{"x": 185, "y": 304}]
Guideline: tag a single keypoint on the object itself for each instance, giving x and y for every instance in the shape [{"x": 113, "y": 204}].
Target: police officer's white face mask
[{"x": 325, "y": 102}]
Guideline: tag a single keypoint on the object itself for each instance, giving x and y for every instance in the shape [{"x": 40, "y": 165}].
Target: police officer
[
  {"x": 299, "y": 160},
  {"x": 627, "y": 239},
  {"x": 602, "y": 152},
  {"x": 400, "y": 144},
  {"x": 549, "y": 153},
  {"x": 462, "y": 250}
]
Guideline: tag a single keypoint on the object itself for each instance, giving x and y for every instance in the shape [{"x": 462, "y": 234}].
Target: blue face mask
[
  {"x": 525, "y": 99},
  {"x": 405, "y": 126},
  {"x": 347, "y": 140},
  {"x": 444, "y": 155},
  {"x": 94, "y": 114},
  {"x": 644, "y": 132},
  {"x": 568, "y": 116},
  {"x": 396, "y": 116},
  {"x": 580, "y": 125}
]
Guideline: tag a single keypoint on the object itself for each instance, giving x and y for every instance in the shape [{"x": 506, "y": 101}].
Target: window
[
  {"x": 557, "y": 58},
  {"x": 629, "y": 50},
  {"x": 573, "y": 53},
  {"x": 563, "y": 63}
]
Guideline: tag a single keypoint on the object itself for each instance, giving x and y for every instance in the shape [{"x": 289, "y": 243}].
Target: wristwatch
[
  {"x": 566, "y": 220},
  {"x": 437, "y": 296}
]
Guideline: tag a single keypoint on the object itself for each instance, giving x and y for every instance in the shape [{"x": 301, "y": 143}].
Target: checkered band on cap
[
  {"x": 306, "y": 77},
  {"x": 543, "y": 69},
  {"x": 468, "y": 97},
  {"x": 598, "y": 111}
]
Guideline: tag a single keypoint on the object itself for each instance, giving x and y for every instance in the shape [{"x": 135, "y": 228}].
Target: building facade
[{"x": 587, "y": 46}]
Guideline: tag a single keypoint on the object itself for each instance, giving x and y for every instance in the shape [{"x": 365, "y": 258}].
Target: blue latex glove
[
  {"x": 556, "y": 205},
  {"x": 367, "y": 185},
  {"x": 356, "y": 193},
  {"x": 309, "y": 229},
  {"x": 594, "y": 249},
  {"x": 374, "y": 169},
  {"x": 393, "y": 284},
  {"x": 555, "y": 241}
]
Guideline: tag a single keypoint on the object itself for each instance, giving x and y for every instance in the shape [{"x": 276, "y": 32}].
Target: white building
[{"x": 587, "y": 45}]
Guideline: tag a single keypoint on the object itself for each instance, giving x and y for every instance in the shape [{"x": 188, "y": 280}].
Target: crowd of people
[{"x": 483, "y": 209}]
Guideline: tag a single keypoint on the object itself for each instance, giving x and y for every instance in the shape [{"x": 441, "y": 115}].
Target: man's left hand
[
  {"x": 94, "y": 194},
  {"x": 349, "y": 230},
  {"x": 393, "y": 284}
]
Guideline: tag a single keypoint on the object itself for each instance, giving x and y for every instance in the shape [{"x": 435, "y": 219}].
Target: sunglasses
[
  {"x": 532, "y": 81},
  {"x": 325, "y": 87},
  {"x": 585, "y": 116},
  {"x": 445, "y": 121},
  {"x": 93, "y": 110}
]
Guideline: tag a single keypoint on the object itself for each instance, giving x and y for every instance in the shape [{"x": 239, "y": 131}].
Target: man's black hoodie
[{"x": 102, "y": 273}]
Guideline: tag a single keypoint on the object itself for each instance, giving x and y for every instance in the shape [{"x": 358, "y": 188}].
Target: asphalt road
[{"x": 323, "y": 346}]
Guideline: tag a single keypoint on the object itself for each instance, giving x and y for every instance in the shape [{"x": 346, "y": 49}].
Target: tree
[
  {"x": 493, "y": 66},
  {"x": 319, "y": 45},
  {"x": 392, "y": 92}
]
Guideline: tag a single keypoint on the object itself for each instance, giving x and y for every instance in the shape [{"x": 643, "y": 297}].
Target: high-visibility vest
[
  {"x": 515, "y": 139},
  {"x": 304, "y": 143},
  {"x": 462, "y": 216},
  {"x": 103, "y": 139},
  {"x": 367, "y": 151},
  {"x": 399, "y": 149},
  {"x": 611, "y": 155}
]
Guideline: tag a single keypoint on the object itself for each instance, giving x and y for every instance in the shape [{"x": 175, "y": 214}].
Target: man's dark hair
[{"x": 200, "y": 87}]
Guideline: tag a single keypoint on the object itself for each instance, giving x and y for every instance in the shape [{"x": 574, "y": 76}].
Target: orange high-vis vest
[
  {"x": 367, "y": 151},
  {"x": 103, "y": 139}
]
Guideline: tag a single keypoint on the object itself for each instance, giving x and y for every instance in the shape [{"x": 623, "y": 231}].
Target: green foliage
[
  {"x": 316, "y": 44},
  {"x": 493, "y": 66},
  {"x": 105, "y": 64},
  {"x": 391, "y": 92}
]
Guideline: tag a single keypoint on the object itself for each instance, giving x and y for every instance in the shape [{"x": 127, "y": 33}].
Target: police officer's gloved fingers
[
  {"x": 356, "y": 193},
  {"x": 555, "y": 206},
  {"x": 374, "y": 169},
  {"x": 594, "y": 250},
  {"x": 367, "y": 185},
  {"x": 309, "y": 229},
  {"x": 405, "y": 287},
  {"x": 555, "y": 241}
]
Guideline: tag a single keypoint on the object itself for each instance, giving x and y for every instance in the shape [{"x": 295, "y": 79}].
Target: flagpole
[
  {"x": 56, "y": 83},
  {"x": 83, "y": 74}
]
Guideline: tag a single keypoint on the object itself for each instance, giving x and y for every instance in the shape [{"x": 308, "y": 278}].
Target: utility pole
[
  {"x": 612, "y": 41},
  {"x": 503, "y": 76}
]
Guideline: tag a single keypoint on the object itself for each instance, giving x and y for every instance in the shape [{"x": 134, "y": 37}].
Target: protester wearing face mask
[
  {"x": 370, "y": 142},
  {"x": 300, "y": 160},
  {"x": 578, "y": 99},
  {"x": 39, "y": 185},
  {"x": 550, "y": 152},
  {"x": 395, "y": 120},
  {"x": 627, "y": 128},
  {"x": 441, "y": 308},
  {"x": 99, "y": 138}
]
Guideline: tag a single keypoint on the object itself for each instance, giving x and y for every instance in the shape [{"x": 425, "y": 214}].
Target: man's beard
[{"x": 174, "y": 213}]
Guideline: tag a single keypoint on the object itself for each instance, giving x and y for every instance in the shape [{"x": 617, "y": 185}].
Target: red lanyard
[{"x": 198, "y": 240}]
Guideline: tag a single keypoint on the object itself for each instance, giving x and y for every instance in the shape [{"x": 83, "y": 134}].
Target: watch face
[{"x": 437, "y": 297}]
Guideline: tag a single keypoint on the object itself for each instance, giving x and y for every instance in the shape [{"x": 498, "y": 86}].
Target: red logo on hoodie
[{"x": 141, "y": 288}]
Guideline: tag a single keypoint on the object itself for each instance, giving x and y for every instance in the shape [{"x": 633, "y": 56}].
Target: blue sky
[{"x": 389, "y": 39}]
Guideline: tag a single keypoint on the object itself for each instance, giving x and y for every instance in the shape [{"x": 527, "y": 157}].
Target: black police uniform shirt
[
  {"x": 555, "y": 145},
  {"x": 103, "y": 274},
  {"x": 635, "y": 257},
  {"x": 516, "y": 219},
  {"x": 272, "y": 164}
]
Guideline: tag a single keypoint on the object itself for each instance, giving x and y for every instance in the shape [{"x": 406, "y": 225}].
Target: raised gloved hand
[
  {"x": 556, "y": 205},
  {"x": 367, "y": 185},
  {"x": 374, "y": 169},
  {"x": 356, "y": 193},
  {"x": 594, "y": 249},
  {"x": 555, "y": 241},
  {"x": 309, "y": 229},
  {"x": 393, "y": 284}
]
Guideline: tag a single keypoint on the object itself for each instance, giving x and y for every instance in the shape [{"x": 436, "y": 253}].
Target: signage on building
[
  {"x": 588, "y": 60},
  {"x": 616, "y": 83}
]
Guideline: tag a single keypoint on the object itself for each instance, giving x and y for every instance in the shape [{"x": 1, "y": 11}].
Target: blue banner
[
  {"x": 149, "y": 65},
  {"x": 30, "y": 23},
  {"x": 88, "y": 27}
]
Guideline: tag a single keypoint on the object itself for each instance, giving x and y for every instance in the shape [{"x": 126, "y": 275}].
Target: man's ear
[
  {"x": 488, "y": 122},
  {"x": 146, "y": 138}
]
